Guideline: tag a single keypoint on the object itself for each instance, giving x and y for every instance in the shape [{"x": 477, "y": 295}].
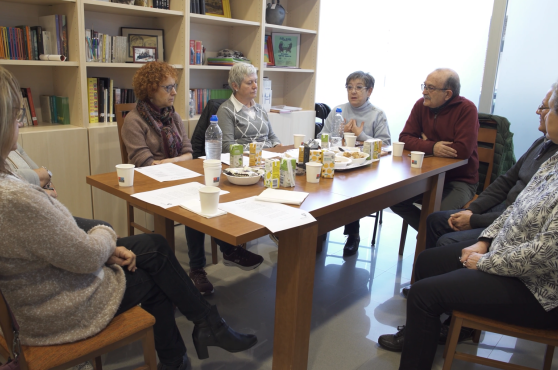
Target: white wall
[
  {"x": 528, "y": 66},
  {"x": 399, "y": 43}
]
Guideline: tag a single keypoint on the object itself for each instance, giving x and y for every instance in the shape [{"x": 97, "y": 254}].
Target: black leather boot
[{"x": 214, "y": 331}]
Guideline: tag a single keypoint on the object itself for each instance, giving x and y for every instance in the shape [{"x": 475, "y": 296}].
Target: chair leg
[
  {"x": 148, "y": 343},
  {"x": 451, "y": 342},
  {"x": 381, "y": 216},
  {"x": 97, "y": 365},
  {"x": 377, "y": 216},
  {"x": 548, "y": 357},
  {"x": 476, "y": 336},
  {"x": 130, "y": 218},
  {"x": 403, "y": 237},
  {"x": 214, "y": 258}
]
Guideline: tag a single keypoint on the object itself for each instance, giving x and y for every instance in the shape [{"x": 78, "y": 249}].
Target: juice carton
[
  {"x": 316, "y": 155},
  {"x": 288, "y": 171},
  {"x": 236, "y": 151},
  {"x": 272, "y": 173},
  {"x": 325, "y": 141},
  {"x": 328, "y": 169},
  {"x": 373, "y": 147},
  {"x": 301, "y": 153},
  {"x": 256, "y": 153}
]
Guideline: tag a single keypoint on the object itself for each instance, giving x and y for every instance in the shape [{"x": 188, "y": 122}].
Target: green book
[{"x": 63, "y": 109}]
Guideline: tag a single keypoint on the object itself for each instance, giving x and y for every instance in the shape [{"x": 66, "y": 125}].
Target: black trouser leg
[
  {"x": 352, "y": 228},
  {"x": 443, "y": 285}
]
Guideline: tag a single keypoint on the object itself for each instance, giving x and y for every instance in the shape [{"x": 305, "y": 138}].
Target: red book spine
[{"x": 32, "y": 107}]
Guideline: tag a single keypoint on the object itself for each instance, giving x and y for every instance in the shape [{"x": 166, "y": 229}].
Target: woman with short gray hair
[{"x": 241, "y": 119}]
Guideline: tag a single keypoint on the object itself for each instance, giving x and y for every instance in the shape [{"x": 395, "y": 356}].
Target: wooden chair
[
  {"x": 130, "y": 326},
  {"x": 486, "y": 147},
  {"x": 120, "y": 109},
  {"x": 459, "y": 319}
]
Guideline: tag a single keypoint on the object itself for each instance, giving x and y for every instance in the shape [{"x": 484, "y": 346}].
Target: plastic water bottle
[
  {"x": 338, "y": 126},
  {"x": 213, "y": 139}
]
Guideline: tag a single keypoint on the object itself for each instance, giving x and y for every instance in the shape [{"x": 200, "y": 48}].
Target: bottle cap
[
  {"x": 213, "y": 118},
  {"x": 338, "y": 110}
]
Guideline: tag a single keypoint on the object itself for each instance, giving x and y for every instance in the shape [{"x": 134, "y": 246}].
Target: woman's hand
[
  {"x": 471, "y": 262},
  {"x": 349, "y": 126},
  {"x": 475, "y": 252},
  {"x": 460, "y": 221},
  {"x": 50, "y": 190},
  {"x": 44, "y": 177},
  {"x": 123, "y": 257}
]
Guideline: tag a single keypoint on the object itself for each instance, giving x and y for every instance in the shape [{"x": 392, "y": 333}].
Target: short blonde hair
[
  {"x": 238, "y": 72},
  {"x": 10, "y": 103},
  {"x": 149, "y": 77}
]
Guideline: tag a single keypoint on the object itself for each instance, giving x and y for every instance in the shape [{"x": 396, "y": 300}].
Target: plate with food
[
  {"x": 353, "y": 165},
  {"x": 342, "y": 162},
  {"x": 357, "y": 157},
  {"x": 244, "y": 176}
]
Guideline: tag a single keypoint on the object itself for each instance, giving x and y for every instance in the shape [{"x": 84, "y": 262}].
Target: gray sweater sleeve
[
  {"x": 27, "y": 173},
  {"x": 380, "y": 130}
]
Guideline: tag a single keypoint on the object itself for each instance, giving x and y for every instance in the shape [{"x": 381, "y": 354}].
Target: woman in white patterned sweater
[
  {"x": 510, "y": 274},
  {"x": 64, "y": 284}
]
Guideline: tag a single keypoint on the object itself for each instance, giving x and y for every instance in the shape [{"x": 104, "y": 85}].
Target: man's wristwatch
[{"x": 47, "y": 170}]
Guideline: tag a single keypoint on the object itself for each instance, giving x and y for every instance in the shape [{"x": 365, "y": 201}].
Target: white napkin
[
  {"x": 282, "y": 196},
  {"x": 194, "y": 205}
]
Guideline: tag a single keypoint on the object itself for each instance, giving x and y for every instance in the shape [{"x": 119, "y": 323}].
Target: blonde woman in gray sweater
[{"x": 64, "y": 284}]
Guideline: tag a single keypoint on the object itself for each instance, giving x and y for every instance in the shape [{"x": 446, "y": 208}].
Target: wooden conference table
[{"x": 349, "y": 196}]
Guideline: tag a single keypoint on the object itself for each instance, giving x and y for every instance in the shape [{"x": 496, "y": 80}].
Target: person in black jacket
[{"x": 448, "y": 227}]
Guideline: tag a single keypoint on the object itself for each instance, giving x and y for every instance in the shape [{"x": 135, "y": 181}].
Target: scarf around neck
[{"x": 161, "y": 121}]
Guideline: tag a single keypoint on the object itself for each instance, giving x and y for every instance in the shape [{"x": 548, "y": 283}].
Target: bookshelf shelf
[
  {"x": 48, "y": 127},
  {"x": 122, "y": 9},
  {"x": 40, "y": 2},
  {"x": 291, "y": 70},
  {"x": 123, "y": 65},
  {"x": 209, "y": 68},
  {"x": 274, "y": 28},
  {"x": 37, "y": 63},
  {"x": 218, "y": 21}
]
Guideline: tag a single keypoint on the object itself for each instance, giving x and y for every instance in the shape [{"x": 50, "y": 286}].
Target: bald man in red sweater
[{"x": 443, "y": 124}]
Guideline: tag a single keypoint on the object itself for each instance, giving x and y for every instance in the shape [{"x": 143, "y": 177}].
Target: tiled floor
[{"x": 355, "y": 301}]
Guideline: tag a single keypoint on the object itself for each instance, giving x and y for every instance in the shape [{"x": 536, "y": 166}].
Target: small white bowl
[
  {"x": 341, "y": 161},
  {"x": 243, "y": 180}
]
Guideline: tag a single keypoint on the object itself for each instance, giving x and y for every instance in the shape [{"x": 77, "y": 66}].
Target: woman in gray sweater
[
  {"x": 241, "y": 119},
  {"x": 509, "y": 275},
  {"x": 64, "y": 284}
]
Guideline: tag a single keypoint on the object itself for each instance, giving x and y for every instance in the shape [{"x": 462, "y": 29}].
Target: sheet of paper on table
[
  {"x": 167, "y": 172},
  {"x": 194, "y": 205},
  {"x": 267, "y": 155},
  {"x": 226, "y": 159},
  {"x": 274, "y": 216},
  {"x": 173, "y": 196},
  {"x": 282, "y": 196}
]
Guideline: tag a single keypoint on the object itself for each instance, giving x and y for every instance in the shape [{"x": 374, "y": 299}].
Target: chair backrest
[
  {"x": 120, "y": 109},
  {"x": 322, "y": 111},
  {"x": 486, "y": 147},
  {"x": 198, "y": 136}
]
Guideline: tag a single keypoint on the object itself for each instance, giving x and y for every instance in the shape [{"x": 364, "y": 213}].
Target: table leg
[
  {"x": 431, "y": 201},
  {"x": 165, "y": 227},
  {"x": 293, "y": 302}
]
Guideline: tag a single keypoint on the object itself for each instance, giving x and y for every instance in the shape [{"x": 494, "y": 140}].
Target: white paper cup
[
  {"x": 313, "y": 171},
  {"x": 348, "y": 134},
  {"x": 350, "y": 141},
  {"x": 416, "y": 159},
  {"x": 212, "y": 172},
  {"x": 125, "y": 173},
  {"x": 298, "y": 139},
  {"x": 209, "y": 199},
  {"x": 397, "y": 148}
]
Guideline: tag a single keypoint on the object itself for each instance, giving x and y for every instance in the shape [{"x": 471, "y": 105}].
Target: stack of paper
[
  {"x": 282, "y": 196},
  {"x": 167, "y": 172}
]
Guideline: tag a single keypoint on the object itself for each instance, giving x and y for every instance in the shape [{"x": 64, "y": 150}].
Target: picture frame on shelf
[
  {"x": 144, "y": 37},
  {"x": 218, "y": 8},
  {"x": 286, "y": 49},
  {"x": 144, "y": 54},
  {"x": 268, "y": 51}
]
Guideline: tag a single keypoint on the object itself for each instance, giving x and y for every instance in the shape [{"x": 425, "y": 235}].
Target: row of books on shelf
[
  {"x": 104, "y": 48},
  {"x": 197, "y": 52},
  {"x": 202, "y": 96},
  {"x": 54, "y": 109},
  {"x": 50, "y": 37},
  {"x": 102, "y": 96},
  {"x": 161, "y": 4}
]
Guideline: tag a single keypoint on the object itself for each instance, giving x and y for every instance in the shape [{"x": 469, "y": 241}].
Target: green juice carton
[
  {"x": 236, "y": 151},
  {"x": 287, "y": 172}
]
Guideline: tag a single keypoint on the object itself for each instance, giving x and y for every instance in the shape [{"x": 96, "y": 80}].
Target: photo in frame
[
  {"x": 218, "y": 8},
  {"x": 268, "y": 51},
  {"x": 144, "y": 37},
  {"x": 286, "y": 49},
  {"x": 144, "y": 54}
]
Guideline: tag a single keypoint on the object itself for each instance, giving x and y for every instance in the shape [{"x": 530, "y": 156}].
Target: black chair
[
  {"x": 322, "y": 111},
  {"x": 198, "y": 137}
]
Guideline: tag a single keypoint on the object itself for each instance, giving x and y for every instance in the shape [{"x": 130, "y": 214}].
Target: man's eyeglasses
[
  {"x": 169, "y": 88},
  {"x": 358, "y": 88},
  {"x": 21, "y": 115},
  {"x": 542, "y": 107},
  {"x": 430, "y": 88}
]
